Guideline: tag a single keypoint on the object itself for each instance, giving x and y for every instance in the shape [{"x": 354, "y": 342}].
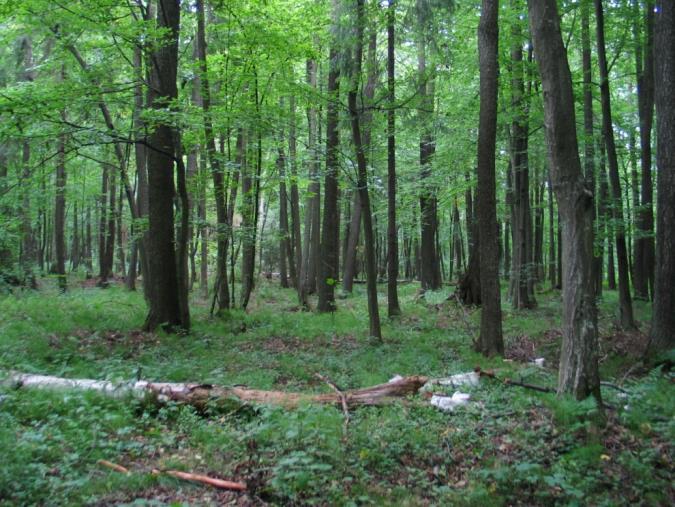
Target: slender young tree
[
  {"x": 357, "y": 56},
  {"x": 625, "y": 303},
  {"x": 393, "y": 307},
  {"x": 219, "y": 190},
  {"x": 578, "y": 374},
  {"x": 662, "y": 336},
  {"x": 490, "y": 341}
]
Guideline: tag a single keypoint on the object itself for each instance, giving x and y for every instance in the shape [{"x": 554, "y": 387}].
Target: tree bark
[
  {"x": 522, "y": 271},
  {"x": 490, "y": 341},
  {"x": 330, "y": 232},
  {"x": 371, "y": 275},
  {"x": 393, "y": 308},
  {"x": 644, "y": 251},
  {"x": 60, "y": 206},
  {"x": 625, "y": 303},
  {"x": 164, "y": 299},
  {"x": 662, "y": 335},
  {"x": 579, "y": 356}
]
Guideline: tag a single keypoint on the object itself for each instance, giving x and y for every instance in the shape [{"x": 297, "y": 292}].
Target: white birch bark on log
[{"x": 199, "y": 395}]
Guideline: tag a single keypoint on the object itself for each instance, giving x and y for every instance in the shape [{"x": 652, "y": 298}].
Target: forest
[{"x": 337, "y": 252}]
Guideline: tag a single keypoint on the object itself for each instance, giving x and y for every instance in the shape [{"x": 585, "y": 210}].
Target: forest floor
[{"x": 508, "y": 446}]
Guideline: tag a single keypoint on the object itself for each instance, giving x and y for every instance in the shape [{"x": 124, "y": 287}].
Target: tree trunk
[
  {"x": 521, "y": 280},
  {"x": 662, "y": 336},
  {"x": 60, "y": 206},
  {"x": 490, "y": 341},
  {"x": 223, "y": 226},
  {"x": 371, "y": 275},
  {"x": 285, "y": 251},
  {"x": 625, "y": 303},
  {"x": 296, "y": 244},
  {"x": 164, "y": 299},
  {"x": 430, "y": 276},
  {"x": 393, "y": 307},
  {"x": 644, "y": 251},
  {"x": 330, "y": 232},
  {"x": 579, "y": 355}
]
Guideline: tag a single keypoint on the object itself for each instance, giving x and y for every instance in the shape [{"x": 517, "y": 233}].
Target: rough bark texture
[
  {"x": 522, "y": 270},
  {"x": 393, "y": 307},
  {"x": 60, "y": 208},
  {"x": 296, "y": 242},
  {"x": 579, "y": 359},
  {"x": 490, "y": 341},
  {"x": 662, "y": 335},
  {"x": 644, "y": 244},
  {"x": 430, "y": 274},
  {"x": 625, "y": 303},
  {"x": 163, "y": 294},
  {"x": 371, "y": 275},
  {"x": 330, "y": 232}
]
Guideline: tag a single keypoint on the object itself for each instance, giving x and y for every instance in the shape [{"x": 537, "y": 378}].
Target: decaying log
[
  {"x": 200, "y": 395},
  {"x": 204, "y": 479}
]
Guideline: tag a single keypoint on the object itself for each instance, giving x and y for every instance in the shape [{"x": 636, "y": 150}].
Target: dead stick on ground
[
  {"x": 343, "y": 398},
  {"x": 113, "y": 466},
  {"x": 204, "y": 479},
  {"x": 491, "y": 374}
]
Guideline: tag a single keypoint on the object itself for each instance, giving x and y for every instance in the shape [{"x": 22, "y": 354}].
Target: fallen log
[{"x": 201, "y": 395}]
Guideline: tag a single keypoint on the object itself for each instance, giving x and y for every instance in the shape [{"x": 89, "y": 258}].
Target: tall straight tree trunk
[
  {"x": 223, "y": 226},
  {"x": 490, "y": 341},
  {"x": 393, "y": 307},
  {"x": 28, "y": 242},
  {"x": 430, "y": 276},
  {"x": 521, "y": 281},
  {"x": 75, "y": 246},
  {"x": 296, "y": 243},
  {"x": 330, "y": 232},
  {"x": 551, "y": 237},
  {"x": 579, "y": 355},
  {"x": 103, "y": 270},
  {"x": 285, "y": 252},
  {"x": 469, "y": 283},
  {"x": 371, "y": 275},
  {"x": 313, "y": 200},
  {"x": 625, "y": 303},
  {"x": 662, "y": 335},
  {"x": 60, "y": 205},
  {"x": 589, "y": 137},
  {"x": 164, "y": 299},
  {"x": 644, "y": 66},
  {"x": 111, "y": 232}
]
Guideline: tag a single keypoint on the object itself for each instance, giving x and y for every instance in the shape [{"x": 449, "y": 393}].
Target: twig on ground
[
  {"x": 113, "y": 466},
  {"x": 204, "y": 479},
  {"x": 614, "y": 386},
  {"x": 510, "y": 382}
]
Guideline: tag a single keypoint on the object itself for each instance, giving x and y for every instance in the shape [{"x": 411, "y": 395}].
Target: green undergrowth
[{"x": 509, "y": 446}]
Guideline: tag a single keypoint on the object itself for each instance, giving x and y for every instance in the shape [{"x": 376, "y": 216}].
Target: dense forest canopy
[{"x": 498, "y": 153}]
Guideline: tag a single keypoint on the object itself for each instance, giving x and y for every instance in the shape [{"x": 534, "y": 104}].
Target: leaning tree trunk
[
  {"x": 625, "y": 303},
  {"x": 579, "y": 356},
  {"x": 490, "y": 341},
  {"x": 662, "y": 336}
]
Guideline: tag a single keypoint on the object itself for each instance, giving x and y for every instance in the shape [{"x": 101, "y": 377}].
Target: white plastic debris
[
  {"x": 449, "y": 403},
  {"x": 539, "y": 362},
  {"x": 395, "y": 378},
  {"x": 471, "y": 379}
]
